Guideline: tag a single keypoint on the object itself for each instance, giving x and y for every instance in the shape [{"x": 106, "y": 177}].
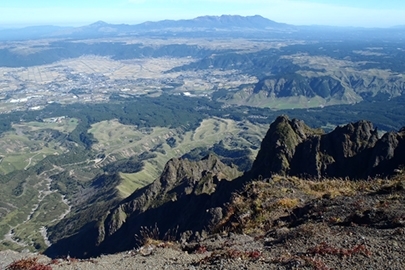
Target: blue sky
[{"x": 365, "y": 13}]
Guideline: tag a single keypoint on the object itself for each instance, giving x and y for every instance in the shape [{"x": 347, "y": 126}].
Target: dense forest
[{"x": 187, "y": 112}]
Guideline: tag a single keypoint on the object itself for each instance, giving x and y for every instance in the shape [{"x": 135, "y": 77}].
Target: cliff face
[
  {"x": 279, "y": 146},
  {"x": 180, "y": 197},
  {"x": 297, "y": 85},
  {"x": 354, "y": 150},
  {"x": 344, "y": 88},
  {"x": 180, "y": 179},
  {"x": 388, "y": 153}
]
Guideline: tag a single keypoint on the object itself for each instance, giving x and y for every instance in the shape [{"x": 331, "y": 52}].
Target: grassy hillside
[{"x": 117, "y": 141}]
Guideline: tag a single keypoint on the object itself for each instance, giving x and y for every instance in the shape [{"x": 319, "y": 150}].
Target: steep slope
[
  {"x": 355, "y": 151},
  {"x": 321, "y": 90},
  {"x": 279, "y": 145},
  {"x": 180, "y": 197},
  {"x": 327, "y": 88}
]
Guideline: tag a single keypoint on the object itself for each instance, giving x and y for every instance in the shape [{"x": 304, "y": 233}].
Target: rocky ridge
[{"x": 354, "y": 150}]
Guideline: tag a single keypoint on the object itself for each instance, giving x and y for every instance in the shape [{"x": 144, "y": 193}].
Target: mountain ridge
[
  {"x": 103, "y": 29},
  {"x": 354, "y": 150},
  {"x": 217, "y": 22},
  {"x": 191, "y": 196},
  {"x": 196, "y": 26},
  {"x": 183, "y": 187}
]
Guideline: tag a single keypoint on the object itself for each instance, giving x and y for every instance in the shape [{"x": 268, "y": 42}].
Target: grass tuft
[{"x": 151, "y": 236}]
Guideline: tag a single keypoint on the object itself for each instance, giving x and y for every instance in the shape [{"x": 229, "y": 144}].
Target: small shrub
[
  {"x": 323, "y": 249},
  {"x": 201, "y": 250},
  {"x": 28, "y": 264},
  {"x": 287, "y": 203},
  {"x": 151, "y": 237},
  {"x": 312, "y": 229}
]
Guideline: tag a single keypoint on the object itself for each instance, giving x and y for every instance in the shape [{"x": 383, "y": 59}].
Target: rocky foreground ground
[
  {"x": 285, "y": 223},
  {"x": 325, "y": 248}
]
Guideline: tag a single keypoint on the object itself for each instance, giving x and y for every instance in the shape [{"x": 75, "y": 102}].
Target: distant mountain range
[
  {"x": 100, "y": 28},
  {"x": 217, "y": 22},
  {"x": 204, "y": 26}
]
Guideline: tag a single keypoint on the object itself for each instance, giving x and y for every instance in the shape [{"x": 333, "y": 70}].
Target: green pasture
[
  {"x": 65, "y": 125},
  {"x": 117, "y": 141},
  {"x": 22, "y": 148}
]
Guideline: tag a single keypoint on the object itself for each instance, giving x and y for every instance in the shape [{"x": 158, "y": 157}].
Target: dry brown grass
[
  {"x": 332, "y": 187},
  {"x": 260, "y": 204},
  {"x": 287, "y": 203},
  {"x": 151, "y": 236},
  {"x": 28, "y": 264}
]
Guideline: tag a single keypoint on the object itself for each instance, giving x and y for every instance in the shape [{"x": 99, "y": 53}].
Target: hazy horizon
[
  {"x": 76, "y": 24},
  {"x": 372, "y": 13}
]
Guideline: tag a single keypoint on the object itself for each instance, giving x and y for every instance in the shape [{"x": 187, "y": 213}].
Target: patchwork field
[
  {"x": 126, "y": 69},
  {"x": 89, "y": 65}
]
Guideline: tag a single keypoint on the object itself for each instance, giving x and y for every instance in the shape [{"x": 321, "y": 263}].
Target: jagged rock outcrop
[
  {"x": 179, "y": 178},
  {"x": 180, "y": 197},
  {"x": 354, "y": 150},
  {"x": 279, "y": 146},
  {"x": 388, "y": 154}
]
